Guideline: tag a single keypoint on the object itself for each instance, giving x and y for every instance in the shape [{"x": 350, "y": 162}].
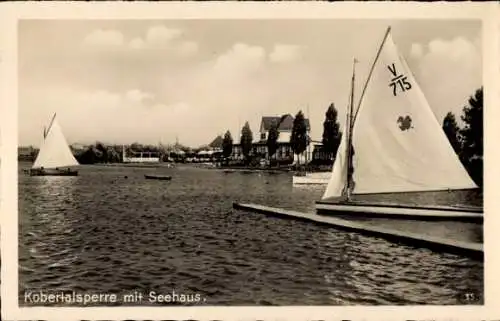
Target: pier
[{"x": 472, "y": 250}]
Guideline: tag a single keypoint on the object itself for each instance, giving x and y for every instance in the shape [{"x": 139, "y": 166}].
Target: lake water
[{"x": 103, "y": 233}]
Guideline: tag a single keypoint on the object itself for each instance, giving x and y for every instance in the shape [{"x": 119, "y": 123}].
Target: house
[
  {"x": 285, "y": 126},
  {"x": 320, "y": 156},
  {"x": 132, "y": 156},
  {"x": 284, "y": 151}
]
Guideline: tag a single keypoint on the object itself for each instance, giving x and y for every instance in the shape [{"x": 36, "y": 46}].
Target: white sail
[
  {"x": 339, "y": 171},
  {"x": 54, "y": 151},
  {"x": 399, "y": 145}
]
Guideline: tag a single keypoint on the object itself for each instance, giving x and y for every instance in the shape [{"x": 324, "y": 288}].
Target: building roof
[
  {"x": 217, "y": 142},
  {"x": 285, "y": 122},
  {"x": 25, "y": 150}
]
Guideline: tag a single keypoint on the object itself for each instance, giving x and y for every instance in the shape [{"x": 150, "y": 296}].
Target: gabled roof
[
  {"x": 267, "y": 121},
  {"x": 217, "y": 142},
  {"x": 285, "y": 122}
]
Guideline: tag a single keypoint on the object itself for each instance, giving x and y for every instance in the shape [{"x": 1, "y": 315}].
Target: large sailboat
[
  {"x": 393, "y": 143},
  {"x": 54, "y": 157}
]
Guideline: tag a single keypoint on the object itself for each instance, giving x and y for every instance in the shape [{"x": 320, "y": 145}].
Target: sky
[{"x": 152, "y": 81}]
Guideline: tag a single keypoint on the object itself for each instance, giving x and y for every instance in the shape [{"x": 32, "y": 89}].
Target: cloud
[
  {"x": 416, "y": 50},
  {"x": 456, "y": 49},
  {"x": 187, "y": 48},
  {"x": 240, "y": 58},
  {"x": 239, "y": 85},
  {"x": 285, "y": 53},
  {"x": 137, "y": 43},
  {"x": 119, "y": 117},
  {"x": 449, "y": 71},
  {"x": 138, "y": 96},
  {"x": 142, "y": 89},
  {"x": 104, "y": 38},
  {"x": 157, "y": 37},
  {"x": 161, "y": 35},
  {"x": 99, "y": 99}
]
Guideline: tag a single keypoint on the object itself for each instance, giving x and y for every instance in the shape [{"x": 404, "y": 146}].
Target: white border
[{"x": 10, "y": 13}]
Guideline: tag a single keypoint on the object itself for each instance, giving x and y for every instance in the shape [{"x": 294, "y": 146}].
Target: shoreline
[{"x": 212, "y": 166}]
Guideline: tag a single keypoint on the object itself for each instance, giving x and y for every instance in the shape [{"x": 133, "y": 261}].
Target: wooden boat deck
[
  {"x": 462, "y": 208},
  {"x": 472, "y": 250}
]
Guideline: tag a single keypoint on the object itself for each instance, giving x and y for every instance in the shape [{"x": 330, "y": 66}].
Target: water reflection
[{"x": 49, "y": 224}]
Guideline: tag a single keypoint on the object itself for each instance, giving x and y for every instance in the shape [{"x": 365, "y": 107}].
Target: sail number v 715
[{"x": 400, "y": 81}]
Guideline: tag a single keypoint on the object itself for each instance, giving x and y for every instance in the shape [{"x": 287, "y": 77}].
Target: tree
[
  {"x": 90, "y": 156},
  {"x": 331, "y": 131},
  {"x": 472, "y": 137},
  {"x": 135, "y": 146},
  {"x": 299, "y": 138},
  {"x": 113, "y": 154},
  {"x": 246, "y": 140},
  {"x": 102, "y": 152},
  {"x": 227, "y": 145},
  {"x": 272, "y": 139},
  {"x": 452, "y": 131}
]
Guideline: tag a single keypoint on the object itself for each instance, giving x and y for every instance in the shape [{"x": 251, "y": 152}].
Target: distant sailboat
[
  {"x": 54, "y": 157},
  {"x": 393, "y": 143}
]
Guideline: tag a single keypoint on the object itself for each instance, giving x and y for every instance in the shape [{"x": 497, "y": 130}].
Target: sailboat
[
  {"x": 54, "y": 157},
  {"x": 393, "y": 143}
]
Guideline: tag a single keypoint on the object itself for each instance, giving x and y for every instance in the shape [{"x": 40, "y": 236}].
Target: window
[{"x": 262, "y": 136}]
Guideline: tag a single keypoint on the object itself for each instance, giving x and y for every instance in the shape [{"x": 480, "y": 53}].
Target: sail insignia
[{"x": 405, "y": 123}]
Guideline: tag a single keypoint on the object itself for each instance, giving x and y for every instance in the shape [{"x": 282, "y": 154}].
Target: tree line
[
  {"x": 467, "y": 140},
  {"x": 101, "y": 153}
]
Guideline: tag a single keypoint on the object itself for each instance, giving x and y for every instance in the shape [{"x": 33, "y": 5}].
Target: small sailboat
[
  {"x": 54, "y": 157},
  {"x": 393, "y": 143}
]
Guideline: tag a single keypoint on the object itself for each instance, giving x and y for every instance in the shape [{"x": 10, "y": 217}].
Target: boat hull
[
  {"x": 52, "y": 172},
  {"x": 311, "y": 179},
  {"x": 404, "y": 212},
  {"x": 158, "y": 177},
  {"x": 305, "y": 180}
]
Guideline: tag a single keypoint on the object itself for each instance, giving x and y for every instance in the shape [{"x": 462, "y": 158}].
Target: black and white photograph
[{"x": 250, "y": 162}]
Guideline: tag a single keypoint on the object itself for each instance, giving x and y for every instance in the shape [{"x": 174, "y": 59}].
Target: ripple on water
[{"x": 101, "y": 232}]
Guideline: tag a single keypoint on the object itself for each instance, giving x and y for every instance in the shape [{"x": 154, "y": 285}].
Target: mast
[
  {"x": 308, "y": 138},
  {"x": 352, "y": 114},
  {"x": 349, "y": 128},
  {"x": 346, "y": 187},
  {"x": 46, "y": 130}
]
